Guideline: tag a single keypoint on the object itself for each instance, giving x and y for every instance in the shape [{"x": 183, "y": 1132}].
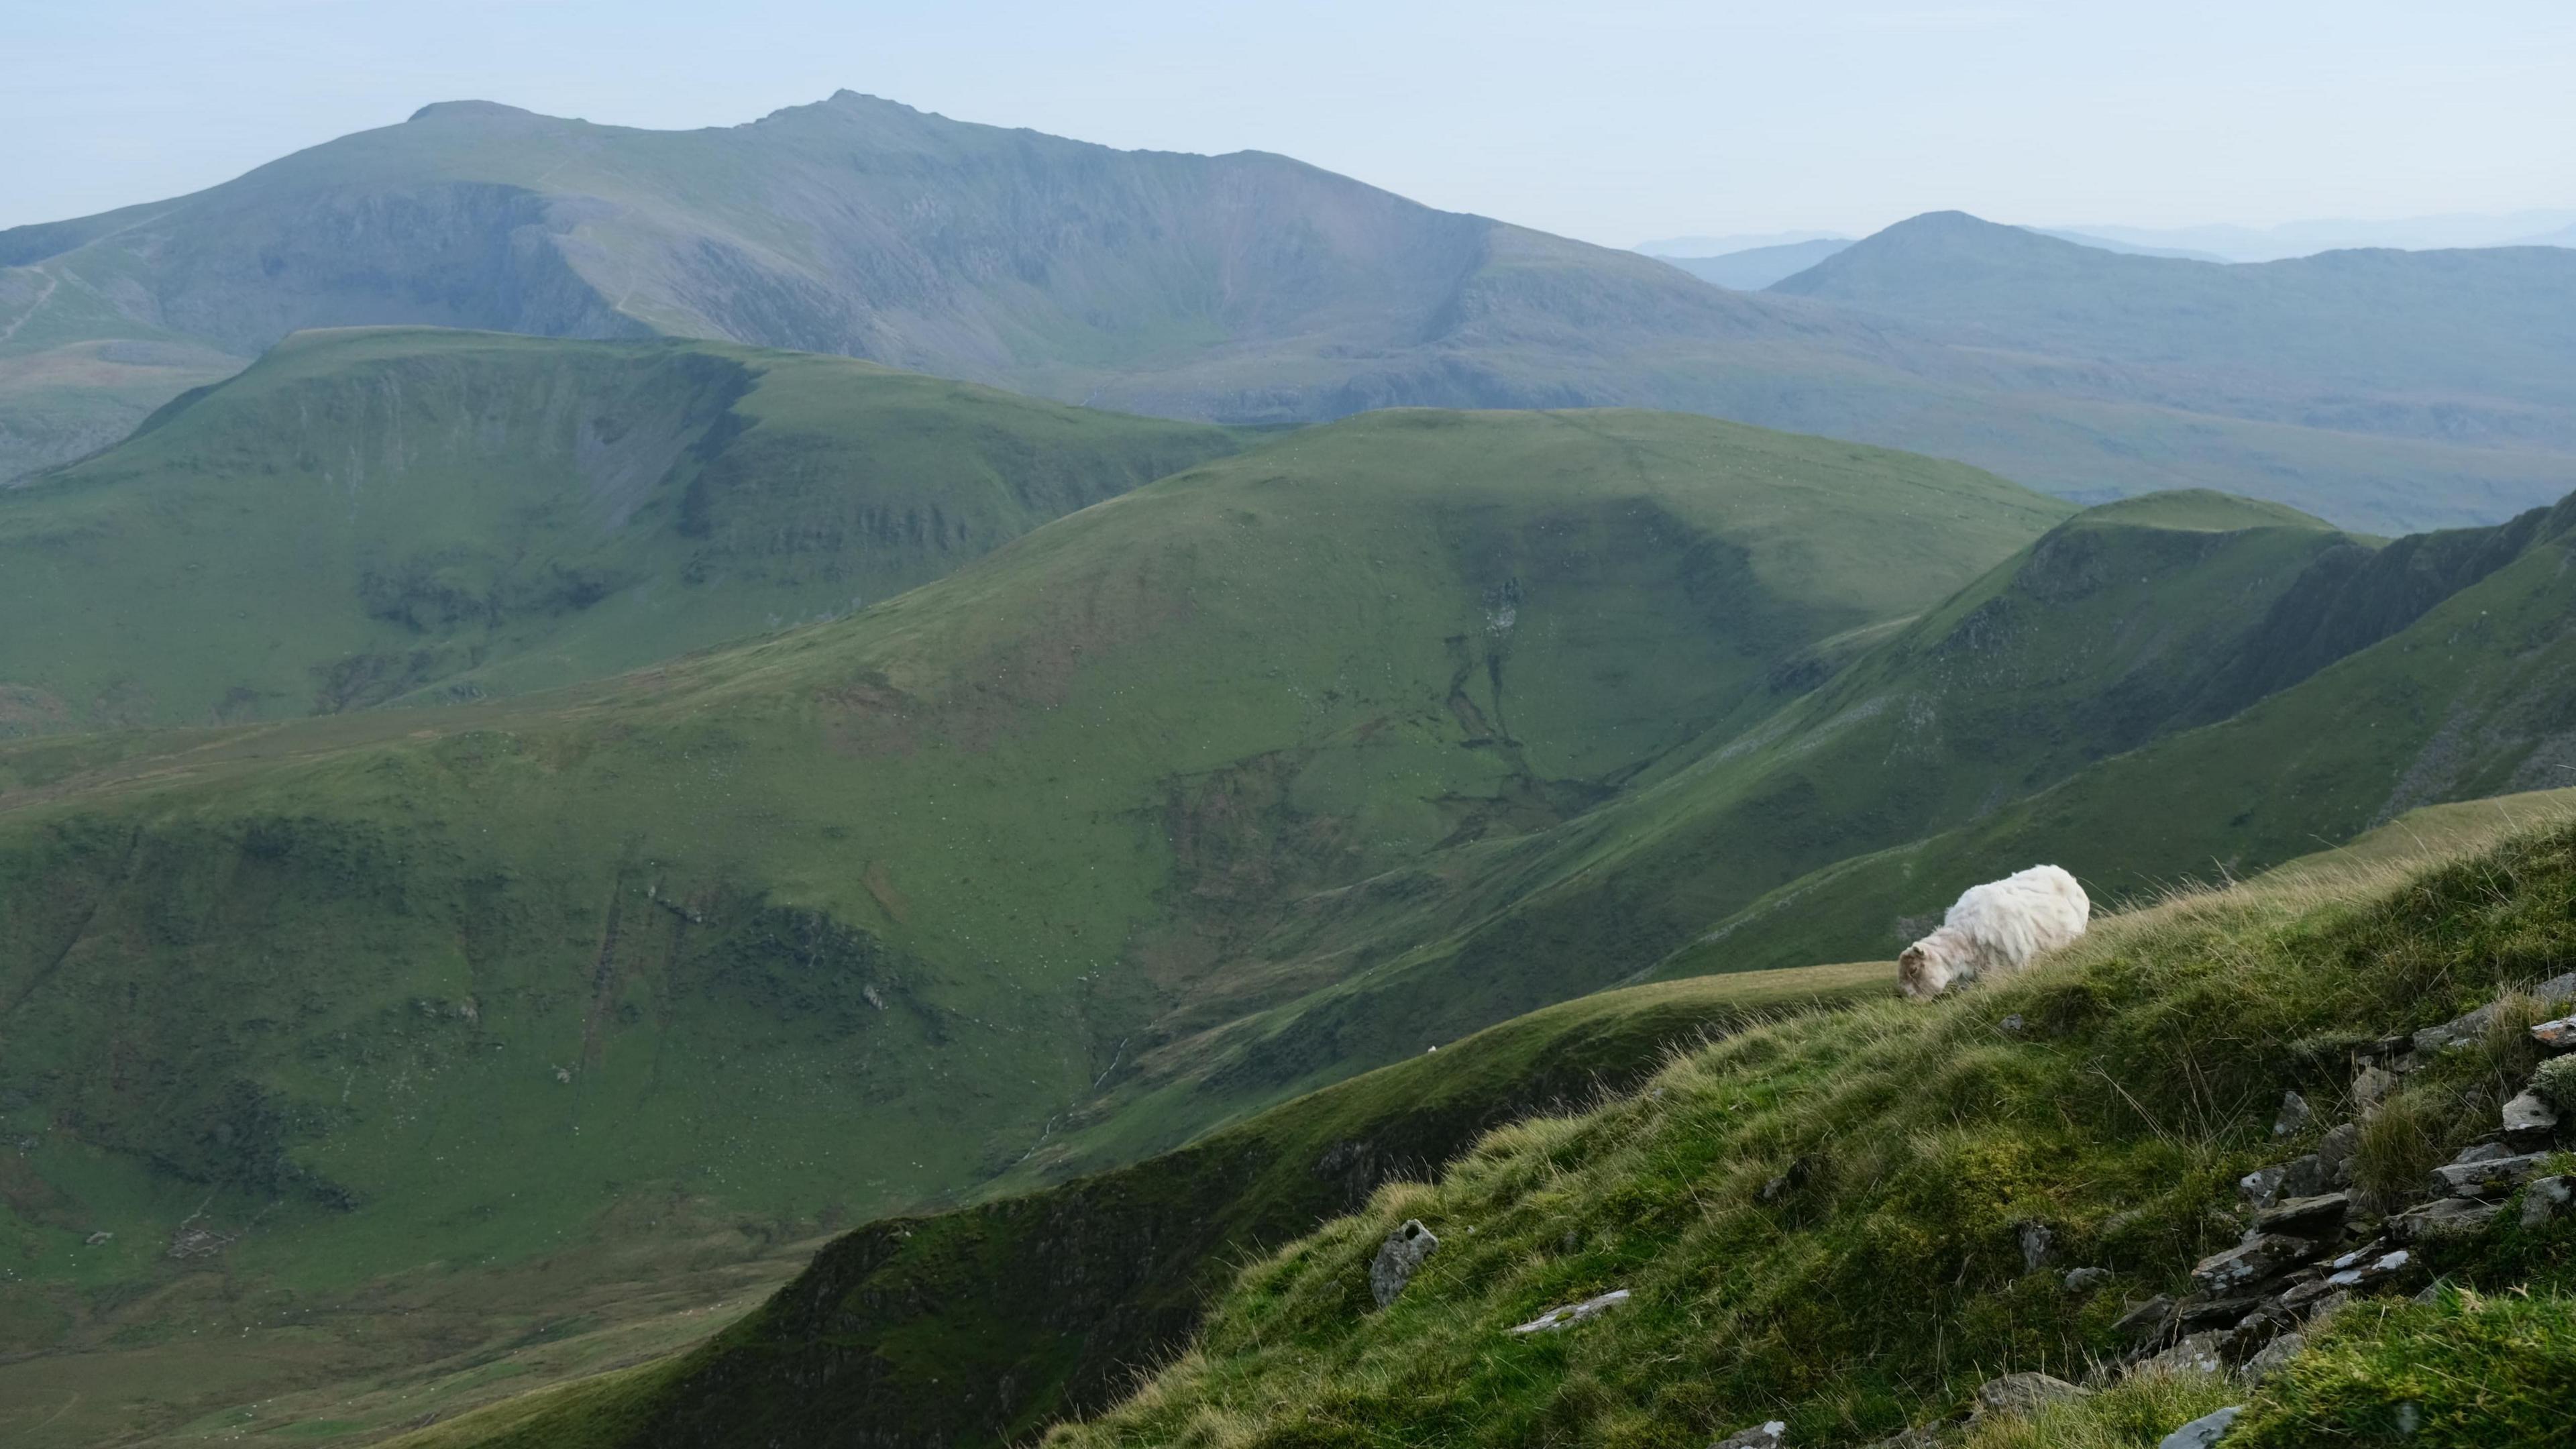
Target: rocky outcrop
[{"x": 2309, "y": 1248}]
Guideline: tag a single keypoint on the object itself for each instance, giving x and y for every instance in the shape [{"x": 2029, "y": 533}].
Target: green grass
[
  {"x": 2465, "y": 1370},
  {"x": 2135, "y": 1413},
  {"x": 2122, "y": 626},
  {"x": 784, "y": 937},
  {"x": 405, "y": 515},
  {"x": 599, "y": 1412},
  {"x": 1887, "y": 1280}
]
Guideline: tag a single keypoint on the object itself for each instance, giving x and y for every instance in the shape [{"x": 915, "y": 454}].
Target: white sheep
[{"x": 1995, "y": 928}]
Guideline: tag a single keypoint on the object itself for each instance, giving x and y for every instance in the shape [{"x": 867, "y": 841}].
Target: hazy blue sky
[{"x": 1612, "y": 120}]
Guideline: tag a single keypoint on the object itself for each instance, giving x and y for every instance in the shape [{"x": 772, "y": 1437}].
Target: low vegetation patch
[{"x": 2465, "y": 1371}]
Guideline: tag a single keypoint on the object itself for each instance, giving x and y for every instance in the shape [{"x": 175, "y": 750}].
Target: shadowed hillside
[{"x": 986, "y": 1324}]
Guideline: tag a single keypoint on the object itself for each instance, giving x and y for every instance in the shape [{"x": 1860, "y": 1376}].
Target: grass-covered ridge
[
  {"x": 403, "y": 515},
  {"x": 1914, "y": 763},
  {"x": 1820, "y": 1220},
  {"x": 2440, "y": 667}
]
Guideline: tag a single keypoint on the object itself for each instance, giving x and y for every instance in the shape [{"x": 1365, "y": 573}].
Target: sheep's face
[{"x": 1921, "y": 974}]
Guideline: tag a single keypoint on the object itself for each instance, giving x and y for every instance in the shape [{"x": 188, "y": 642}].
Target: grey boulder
[
  {"x": 2293, "y": 1117},
  {"x": 1397, "y": 1258},
  {"x": 2447, "y": 1217},
  {"x": 2546, "y": 1198},
  {"x": 2529, "y": 1122},
  {"x": 2320, "y": 1216},
  {"x": 2268, "y": 1256},
  {"x": 2488, "y": 1175},
  {"x": 2272, "y": 1357},
  {"x": 2334, "y": 1155},
  {"x": 2196, "y": 1354},
  {"x": 2202, "y": 1432},
  {"x": 2022, "y": 1393}
]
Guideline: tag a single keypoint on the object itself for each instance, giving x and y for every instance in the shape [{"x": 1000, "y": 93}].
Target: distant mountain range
[
  {"x": 1718, "y": 246},
  {"x": 2474, "y": 346},
  {"x": 1247, "y": 288},
  {"x": 2307, "y": 238},
  {"x": 2110, "y": 244},
  {"x": 1755, "y": 268}
]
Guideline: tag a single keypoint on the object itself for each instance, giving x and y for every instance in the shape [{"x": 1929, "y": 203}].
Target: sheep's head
[{"x": 1922, "y": 973}]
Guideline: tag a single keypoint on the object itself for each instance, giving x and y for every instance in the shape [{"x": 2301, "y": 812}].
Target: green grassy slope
[
  {"x": 2475, "y": 697},
  {"x": 1821, "y": 1221},
  {"x": 1245, "y": 288},
  {"x": 981, "y": 1325},
  {"x": 815, "y": 929},
  {"x": 2122, "y": 625},
  {"x": 1990, "y": 734},
  {"x": 371, "y": 515}
]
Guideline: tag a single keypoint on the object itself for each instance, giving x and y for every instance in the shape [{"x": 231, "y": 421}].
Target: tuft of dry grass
[
  {"x": 2134, "y": 1413},
  {"x": 2400, "y": 1145}
]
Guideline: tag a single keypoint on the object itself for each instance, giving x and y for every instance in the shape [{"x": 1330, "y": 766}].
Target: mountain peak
[
  {"x": 1950, "y": 245},
  {"x": 1956, "y": 228},
  {"x": 446, "y": 110}
]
